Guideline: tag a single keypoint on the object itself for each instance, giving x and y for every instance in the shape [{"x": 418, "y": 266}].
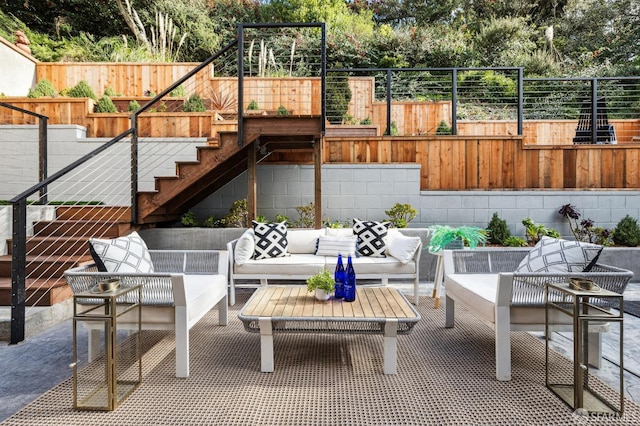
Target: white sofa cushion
[
  {"x": 558, "y": 255},
  {"x": 378, "y": 265},
  {"x": 303, "y": 241},
  {"x": 339, "y": 232},
  {"x": 403, "y": 248},
  {"x": 333, "y": 246},
  {"x": 270, "y": 239},
  {"x": 245, "y": 247},
  {"x": 477, "y": 290},
  {"x": 295, "y": 264},
  {"x": 123, "y": 254}
]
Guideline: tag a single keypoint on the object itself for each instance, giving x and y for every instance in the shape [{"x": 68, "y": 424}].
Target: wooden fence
[{"x": 485, "y": 162}]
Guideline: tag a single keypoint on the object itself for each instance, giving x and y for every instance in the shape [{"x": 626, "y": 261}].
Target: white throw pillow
[
  {"x": 403, "y": 248},
  {"x": 122, "y": 254},
  {"x": 333, "y": 246},
  {"x": 244, "y": 247},
  {"x": 558, "y": 255},
  {"x": 270, "y": 239},
  {"x": 303, "y": 240}
]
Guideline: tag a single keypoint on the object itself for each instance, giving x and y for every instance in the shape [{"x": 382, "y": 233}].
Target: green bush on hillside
[
  {"x": 105, "y": 104},
  {"x": 82, "y": 90},
  {"x": 43, "y": 88}
]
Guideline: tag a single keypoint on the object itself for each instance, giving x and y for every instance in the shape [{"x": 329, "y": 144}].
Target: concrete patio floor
[{"x": 36, "y": 365}]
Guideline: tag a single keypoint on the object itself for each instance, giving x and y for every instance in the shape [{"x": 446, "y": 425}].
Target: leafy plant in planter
[
  {"x": 627, "y": 232},
  {"x": 189, "y": 219},
  {"x": 133, "y": 106},
  {"x": 105, "y": 104},
  {"x": 43, "y": 88},
  {"x": 442, "y": 235},
  {"x": 82, "y": 90},
  {"x": 535, "y": 231},
  {"x": 583, "y": 230},
  {"x": 497, "y": 230},
  {"x": 282, "y": 111},
  {"x": 401, "y": 214},
  {"x": 443, "y": 128},
  {"x": 338, "y": 96},
  {"x": 238, "y": 214},
  {"x": 178, "y": 92},
  {"x": 253, "y": 105},
  {"x": 194, "y": 104},
  {"x": 322, "y": 280}
]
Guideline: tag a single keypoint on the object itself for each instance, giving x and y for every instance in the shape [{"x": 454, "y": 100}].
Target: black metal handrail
[{"x": 42, "y": 144}]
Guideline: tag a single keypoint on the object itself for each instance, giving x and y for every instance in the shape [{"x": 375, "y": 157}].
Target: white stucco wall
[{"x": 17, "y": 70}]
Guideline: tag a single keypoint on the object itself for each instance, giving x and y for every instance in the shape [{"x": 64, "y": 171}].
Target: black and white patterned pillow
[
  {"x": 558, "y": 255},
  {"x": 271, "y": 240},
  {"x": 371, "y": 237},
  {"x": 122, "y": 254}
]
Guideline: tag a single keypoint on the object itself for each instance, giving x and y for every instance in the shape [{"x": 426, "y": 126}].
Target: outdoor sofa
[
  {"x": 178, "y": 287},
  {"x": 378, "y": 253},
  {"x": 498, "y": 287}
]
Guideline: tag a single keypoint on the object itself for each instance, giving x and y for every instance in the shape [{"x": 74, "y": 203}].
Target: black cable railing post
[
  {"x": 240, "y": 84},
  {"x": 454, "y": 101},
  {"x": 134, "y": 168},
  {"x": 42, "y": 140},
  {"x": 388, "y": 131},
  {"x": 18, "y": 271},
  {"x": 323, "y": 77},
  {"x": 594, "y": 110},
  {"x": 520, "y": 102}
]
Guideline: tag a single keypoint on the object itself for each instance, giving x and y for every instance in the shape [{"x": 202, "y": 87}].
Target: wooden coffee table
[{"x": 292, "y": 309}]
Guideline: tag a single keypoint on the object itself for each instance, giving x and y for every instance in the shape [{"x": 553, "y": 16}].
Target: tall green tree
[{"x": 414, "y": 12}]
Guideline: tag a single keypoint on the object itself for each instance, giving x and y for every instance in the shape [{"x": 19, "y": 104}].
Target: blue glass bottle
[
  {"x": 350, "y": 282},
  {"x": 339, "y": 277}
]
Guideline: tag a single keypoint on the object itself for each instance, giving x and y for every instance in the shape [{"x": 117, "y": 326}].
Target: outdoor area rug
[{"x": 445, "y": 377}]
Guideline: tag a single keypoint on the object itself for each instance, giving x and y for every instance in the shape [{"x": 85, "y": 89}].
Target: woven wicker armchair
[
  {"x": 186, "y": 284},
  {"x": 483, "y": 282}
]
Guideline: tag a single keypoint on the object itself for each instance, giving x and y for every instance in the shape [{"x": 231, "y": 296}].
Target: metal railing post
[
  {"x": 388, "y": 131},
  {"x": 520, "y": 102},
  {"x": 134, "y": 168},
  {"x": 240, "y": 84},
  {"x": 454, "y": 101},
  {"x": 18, "y": 271},
  {"x": 44, "y": 156},
  {"x": 323, "y": 77},
  {"x": 594, "y": 110}
]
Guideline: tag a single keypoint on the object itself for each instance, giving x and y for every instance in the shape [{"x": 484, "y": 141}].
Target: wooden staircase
[
  {"x": 59, "y": 245},
  {"x": 221, "y": 161}
]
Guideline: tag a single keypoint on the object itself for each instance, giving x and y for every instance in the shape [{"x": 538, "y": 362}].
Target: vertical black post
[
  {"x": 520, "y": 102},
  {"x": 594, "y": 110},
  {"x": 388, "y": 131},
  {"x": 134, "y": 168},
  {"x": 18, "y": 271},
  {"x": 454, "y": 101},
  {"x": 240, "y": 84},
  {"x": 323, "y": 77},
  {"x": 42, "y": 140}
]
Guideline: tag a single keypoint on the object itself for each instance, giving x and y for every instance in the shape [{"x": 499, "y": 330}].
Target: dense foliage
[{"x": 547, "y": 37}]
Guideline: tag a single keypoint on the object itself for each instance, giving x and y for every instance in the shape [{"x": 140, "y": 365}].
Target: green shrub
[
  {"x": 193, "y": 104},
  {"x": 253, "y": 105},
  {"x": 105, "y": 104},
  {"x": 82, "y": 90},
  {"x": 307, "y": 217},
  {"x": 178, "y": 92},
  {"x": 443, "y": 128},
  {"x": 110, "y": 92},
  {"x": 515, "y": 242},
  {"x": 366, "y": 121},
  {"x": 401, "y": 214},
  {"x": 237, "y": 217},
  {"x": 189, "y": 219},
  {"x": 43, "y": 88},
  {"x": 627, "y": 232},
  {"x": 282, "y": 110},
  {"x": 211, "y": 222},
  {"x": 535, "y": 231},
  {"x": 283, "y": 218},
  {"x": 498, "y": 230},
  {"x": 133, "y": 106},
  {"x": 338, "y": 96}
]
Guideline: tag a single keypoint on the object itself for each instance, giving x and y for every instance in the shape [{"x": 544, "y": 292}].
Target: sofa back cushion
[
  {"x": 303, "y": 241},
  {"x": 333, "y": 246}
]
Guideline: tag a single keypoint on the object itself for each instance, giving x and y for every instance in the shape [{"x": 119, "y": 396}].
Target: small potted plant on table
[{"x": 322, "y": 283}]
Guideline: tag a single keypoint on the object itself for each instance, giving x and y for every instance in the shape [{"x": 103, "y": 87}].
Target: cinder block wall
[{"x": 366, "y": 191}]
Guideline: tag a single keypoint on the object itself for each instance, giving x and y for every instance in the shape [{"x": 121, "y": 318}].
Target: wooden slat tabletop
[{"x": 297, "y": 302}]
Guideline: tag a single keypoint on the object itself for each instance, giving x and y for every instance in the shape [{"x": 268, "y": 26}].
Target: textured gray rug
[{"x": 445, "y": 377}]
